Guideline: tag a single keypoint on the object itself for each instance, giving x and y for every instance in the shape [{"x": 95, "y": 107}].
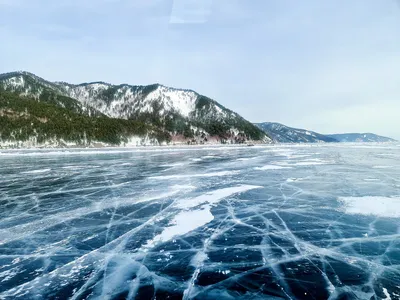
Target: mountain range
[
  {"x": 35, "y": 112},
  {"x": 164, "y": 115},
  {"x": 360, "y": 137},
  {"x": 280, "y": 133},
  {"x": 284, "y": 134}
]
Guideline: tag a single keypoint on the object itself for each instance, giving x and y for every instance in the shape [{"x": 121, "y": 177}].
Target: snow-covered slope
[
  {"x": 28, "y": 84},
  {"x": 181, "y": 112},
  {"x": 124, "y": 101},
  {"x": 361, "y": 138},
  {"x": 178, "y": 110},
  {"x": 284, "y": 134}
]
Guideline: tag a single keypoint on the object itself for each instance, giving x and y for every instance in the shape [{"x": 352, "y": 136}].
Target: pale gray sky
[{"x": 329, "y": 66}]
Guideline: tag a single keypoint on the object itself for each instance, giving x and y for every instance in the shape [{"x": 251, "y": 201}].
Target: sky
[{"x": 330, "y": 66}]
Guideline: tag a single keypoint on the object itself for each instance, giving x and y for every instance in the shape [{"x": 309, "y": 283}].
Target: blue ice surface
[{"x": 263, "y": 222}]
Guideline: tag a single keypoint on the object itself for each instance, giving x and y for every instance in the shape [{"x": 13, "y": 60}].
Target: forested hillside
[{"x": 24, "y": 118}]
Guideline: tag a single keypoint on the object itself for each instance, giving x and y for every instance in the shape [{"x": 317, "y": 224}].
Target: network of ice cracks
[{"x": 271, "y": 222}]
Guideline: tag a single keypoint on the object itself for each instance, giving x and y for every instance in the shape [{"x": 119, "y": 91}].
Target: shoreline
[
  {"x": 133, "y": 143},
  {"x": 185, "y": 147},
  {"x": 136, "y": 148}
]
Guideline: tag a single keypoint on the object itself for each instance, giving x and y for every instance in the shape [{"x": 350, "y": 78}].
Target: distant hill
[
  {"x": 360, "y": 138},
  {"x": 283, "y": 134}
]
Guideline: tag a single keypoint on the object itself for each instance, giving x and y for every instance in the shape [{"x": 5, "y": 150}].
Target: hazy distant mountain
[
  {"x": 183, "y": 115},
  {"x": 360, "y": 137},
  {"x": 283, "y": 134}
]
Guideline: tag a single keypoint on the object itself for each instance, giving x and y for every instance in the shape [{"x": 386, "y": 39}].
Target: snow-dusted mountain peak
[
  {"x": 183, "y": 102},
  {"x": 181, "y": 112}
]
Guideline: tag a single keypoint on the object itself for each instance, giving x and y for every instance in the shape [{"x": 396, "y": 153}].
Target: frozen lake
[{"x": 270, "y": 222}]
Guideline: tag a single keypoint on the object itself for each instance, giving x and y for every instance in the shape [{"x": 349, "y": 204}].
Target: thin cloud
[
  {"x": 310, "y": 64},
  {"x": 190, "y": 11}
]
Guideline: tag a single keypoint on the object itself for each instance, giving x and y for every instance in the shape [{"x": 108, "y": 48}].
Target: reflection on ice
[{"x": 274, "y": 222}]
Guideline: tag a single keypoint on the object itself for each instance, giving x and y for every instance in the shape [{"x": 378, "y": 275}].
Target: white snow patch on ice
[
  {"x": 183, "y": 187},
  {"x": 36, "y": 171},
  {"x": 198, "y": 259},
  {"x": 174, "y": 165},
  {"x": 298, "y": 156},
  {"x": 214, "y": 196},
  {"x": 249, "y": 158},
  {"x": 243, "y": 159},
  {"x": 212, "y": 174},
  {"x": 9, "y": 274},
  {"x": 196, "y": 159},
  {"x": 184, "y": 222},
  {"x": 309, "y": 163},
  {"x": 73, "y": 167},
  {"x": 294, "y": 179},
  {"x": 305, "y": 162},
  {"x": 189, "y": 220},
  {"x": 372, "y": 205},
  {"x": 271, "y": 167},
  {"x": 382, "y": 167},
  {"x": 385, "y": 291}
]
